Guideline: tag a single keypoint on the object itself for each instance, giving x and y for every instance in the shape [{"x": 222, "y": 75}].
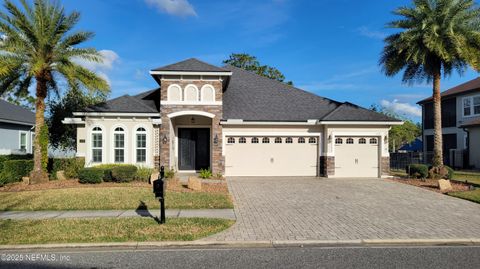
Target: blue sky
[{"x": 328, "y": 47}]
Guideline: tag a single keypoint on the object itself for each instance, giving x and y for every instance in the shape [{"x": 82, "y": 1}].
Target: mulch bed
[
  {"x": 172, "y": 185},
  {"x": 432, "y": 184}
]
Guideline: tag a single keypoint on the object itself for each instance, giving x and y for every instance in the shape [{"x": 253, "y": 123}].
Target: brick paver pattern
[{"x": 345, "y": 209}]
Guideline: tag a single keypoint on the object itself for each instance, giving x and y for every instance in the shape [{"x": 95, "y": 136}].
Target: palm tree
[
  {"x": 38, "y": 47},
  {"x": 436, "y": 38}
]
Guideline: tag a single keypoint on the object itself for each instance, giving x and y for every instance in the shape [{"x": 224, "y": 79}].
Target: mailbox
[{"x": 158, "y": 188}]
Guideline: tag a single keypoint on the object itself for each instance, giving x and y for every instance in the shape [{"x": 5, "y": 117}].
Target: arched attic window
[
  {"x": 208, "y": 93},
  {"x": 174, "y": 93},
  {"x": 191, "y": 93}
]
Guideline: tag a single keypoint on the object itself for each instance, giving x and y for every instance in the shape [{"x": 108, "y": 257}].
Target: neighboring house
[
  {"x": 460, "y": 125},
  {"x": 16, "y": 129},
  {"x": 235, "y": 122}
]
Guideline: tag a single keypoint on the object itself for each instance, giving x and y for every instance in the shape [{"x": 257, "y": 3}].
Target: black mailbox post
[{"x": 159, "y": 190}]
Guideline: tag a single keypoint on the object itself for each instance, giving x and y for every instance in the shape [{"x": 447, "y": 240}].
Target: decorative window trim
[
  {"x": 169, "y": 97},
  {"x": 90, "y": 145},
  {"x": 197, "y": 95},
  {"x": 203, "y": 90},
  {"x": 20, "y": 133}
]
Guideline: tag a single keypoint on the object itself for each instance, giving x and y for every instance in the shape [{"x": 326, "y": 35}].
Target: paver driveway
[{"x": 345, "y": 209}]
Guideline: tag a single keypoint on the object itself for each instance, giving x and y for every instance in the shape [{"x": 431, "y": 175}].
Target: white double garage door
[{"x": 298, "y": 156}]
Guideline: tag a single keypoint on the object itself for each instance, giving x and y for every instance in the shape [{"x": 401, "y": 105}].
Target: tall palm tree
[
  {"x": 436, "y": 38},
  {"x": 38, "y": 46}
]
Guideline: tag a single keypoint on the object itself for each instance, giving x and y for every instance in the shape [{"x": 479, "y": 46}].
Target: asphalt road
[{"x": 293, "y": 257}]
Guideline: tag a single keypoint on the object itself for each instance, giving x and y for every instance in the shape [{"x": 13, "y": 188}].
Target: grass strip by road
[
  {"x": 103, "y": 230},
  {"x": 473, "y": 177},
  {"x": 108, "y": 198},
  {"x": 473, "y": 196}
]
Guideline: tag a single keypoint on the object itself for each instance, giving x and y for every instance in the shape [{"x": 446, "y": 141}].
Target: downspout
[{"x": 468, "y": 145}]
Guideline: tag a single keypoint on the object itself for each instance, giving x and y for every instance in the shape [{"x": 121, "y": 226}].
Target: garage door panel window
[
  {"x": 349, "y": 140},
  {"x": 301, "y": 140},
  {"x": 312, "y": 140},
  {"x": 362, "y": 141},
  {"x": 254, "y": 140},
  {"x": 288, "y": 140},
  {"x": 373, "y": 141},
  {"x": 338, "y": 141},
  {"x": 231, "y": 140},
  {"x": 242, "y": 140},
  {"x": 278, "y": 140},
  {"x": 265, "y": 140}
]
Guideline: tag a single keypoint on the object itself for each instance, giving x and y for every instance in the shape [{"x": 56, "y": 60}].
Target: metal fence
[
  {"x": 453, "y": 158},
  {"x": 400, "y": 160}
]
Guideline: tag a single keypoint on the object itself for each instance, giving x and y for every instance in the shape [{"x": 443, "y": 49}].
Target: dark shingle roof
[
  {"x": 253, "y": 97},
  {"x": 191, "y": 65},
  {"x": 466, "y": 87},
  {"x": 146, "y": 102},
  {"x": 11, "y": 112},
  {"x": 351, "y": 112}
]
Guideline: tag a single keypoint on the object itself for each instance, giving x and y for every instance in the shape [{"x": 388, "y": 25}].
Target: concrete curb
[{"x": 257, "y": 244}]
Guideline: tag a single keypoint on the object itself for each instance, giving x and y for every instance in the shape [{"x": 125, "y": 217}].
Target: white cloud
[
  {"x": 365, "y": 31},
  {"x": 401, "y": 108},
  {"x": 180, "y": 8}
]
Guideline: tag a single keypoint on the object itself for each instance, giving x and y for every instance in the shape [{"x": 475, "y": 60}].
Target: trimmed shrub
[
  {"x": 417, "y": 171},
  {"x": 143, "y": 174},
  {"x": 4, "y": 158},
  {"x": 14, "y": 170},
  {"x": 450, "y": 172},
  {"x": 71, "y": 166},
  {"x": 205, "y": 173},
  {"x": 90, "y": 175},
  {"x": 124, "y": 173}
]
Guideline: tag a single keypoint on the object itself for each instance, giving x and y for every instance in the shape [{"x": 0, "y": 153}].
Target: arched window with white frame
[
  {"x": 207, "y": 93},
  {"x": 97, "y": 145},
  {"x": 174, "y": 93},
  {"x": 141, "y": 144},
  {"x": 191, "y": 93},
  {"x": 119, "y": 145}
]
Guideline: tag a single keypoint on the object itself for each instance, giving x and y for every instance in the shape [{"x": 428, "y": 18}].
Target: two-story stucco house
[
  {"x": 16, "y": 129},
  {"x": 236, "y": 123},
  {"x": 460, "y": 125}
]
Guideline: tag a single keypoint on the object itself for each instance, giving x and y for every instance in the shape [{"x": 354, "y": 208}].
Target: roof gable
[
  {"x": 351, "y": 112},
  {"x": 190, "y": 65},
  {"x": 14, "y": 113},
  {"x": 146, "y": 102}
]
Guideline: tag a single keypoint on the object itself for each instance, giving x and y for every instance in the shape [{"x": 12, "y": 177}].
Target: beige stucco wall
[
  {"x": 475, "y": 146},
  {"x": 108, "y": 125}
]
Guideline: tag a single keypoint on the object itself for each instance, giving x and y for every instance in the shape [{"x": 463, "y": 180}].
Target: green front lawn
[
  {"x": 104, "y": 198},
  {"x": 473, "y": 177},
  {"x": 107, "y": 230},
  {"x": 473, "y": 196}
]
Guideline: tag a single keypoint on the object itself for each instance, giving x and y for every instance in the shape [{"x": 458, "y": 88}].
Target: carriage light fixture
[
  {"x": 164, "y": 139},
  {"x": 215, "y": 140},
  {"x": 329, "y": 138}
]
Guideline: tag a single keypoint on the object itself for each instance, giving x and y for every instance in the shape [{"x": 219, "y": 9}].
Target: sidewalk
[{"x": 170, "y": 213}]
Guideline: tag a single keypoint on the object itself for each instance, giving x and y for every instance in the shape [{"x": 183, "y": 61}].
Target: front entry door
[{"x": 193, "y": 148}]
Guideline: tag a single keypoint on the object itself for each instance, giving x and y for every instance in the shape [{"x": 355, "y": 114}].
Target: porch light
[
  {"x": 385, "y": 139},
  {"x": 215, "y": 139},
  {"x": 164, "y": 139},
  {"x": 192, "y": 120},
  {"x": 329, "y": 138}
]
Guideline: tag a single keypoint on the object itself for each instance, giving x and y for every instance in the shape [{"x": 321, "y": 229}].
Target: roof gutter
[
  {"x": 116, "y": 114},
  {"x": 239, "y": 122},
  {"x": 17, "y": 122},
  {"x": 361, "y": 122},
  {"x": 196, "y": 73}
]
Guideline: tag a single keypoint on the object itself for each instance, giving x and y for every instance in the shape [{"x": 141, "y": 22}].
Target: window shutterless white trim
[
  {"x": 20, "y": 134},
  {"x": 125, "y": 143},
  {"x": 89, "y": 153},
  {"x": 148, "y": 160},
  {"x": 197, "y": 93},
  {"x": 191, "y": 112},
  {"x": 227, "y": 73},
  {"x": 203, "y": 91},
  {"x": 472, "y": 106},
  {"x": 116, "y": 114}
]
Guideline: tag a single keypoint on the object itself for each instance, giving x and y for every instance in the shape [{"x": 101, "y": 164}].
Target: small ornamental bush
[
  {"x": 417, "y": 171},
  {"x": 14, "y": 170},
  {"x": 143, "y": 174},
  {"x": 70, "y": 166},
  {"x": 4, "y": 158},
  {"x": 169, "y": 174},
  {"x": 90, "y": 175},
  {"x": 450, "y": 172},
  {"x": 124, "y": 173},
  {"x": 205, "y": 173}
]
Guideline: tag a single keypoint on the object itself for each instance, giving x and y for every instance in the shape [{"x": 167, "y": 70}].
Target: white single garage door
[
  {"x": 356, "y": 157},
  {"x": 271, "y": 156}
]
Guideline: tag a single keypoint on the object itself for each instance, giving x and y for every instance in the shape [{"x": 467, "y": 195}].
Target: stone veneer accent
[
  {"x": 327, "y": 166},
  {"x": 385, "y": 166},
  {"x": 217, "y": 159}
]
